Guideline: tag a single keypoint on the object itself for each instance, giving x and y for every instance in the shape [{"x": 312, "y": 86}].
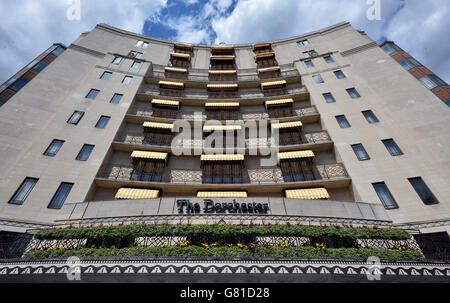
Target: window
[
  {"x": 423, "y": 191},
  {"x": 24, "y": 190},
  {"x": 428, "y": 82},
  {"x": 116, "y": 98},
  {"x": 60, "y": 196},
  {"x": 142, "y": 43},
  {"x": 106, "y": 76},
  {"x": 309, "y": 64},
  {"x": 414, "y": 61},
  {"x": 303, "y": 42},
  {"x": 117, "y": 60},
  {"x": 318, "y": 78},
  {"x": 385, "y": 195},
  {"x": 447, "y": 102},
  {"x": 127, "y": 80},
  {"x": 138, "y": 55},
  {"x": 85, "y": 152},
  {"x": 102, "y": 122},
  {"x": 9, "y": 82},
  {"x": 329, "y": 98},
  {"x": 40, "y": 66},
  {"x": 136, "y": 65},
  {"x": 307, "y": 54},
  {"x": 342, "y": 121},
  {"x": 92, "y": 94},
  {"x": 328, "y": 59},
  {"x": 392, "y": 147},
  {"x": 388, "y": 49},
  {"x": 21, "y": 82},
  {"x": 339, "y": 74},
  {"x": 145, "y": 44},
  {"x": 370, "y": 116},
  {"x": 438, "y": 80},
  {"x": 58, "y": 51},
  {"x": 53, "y": 148},
  {"x": 406, "y": 64},
  {"x": 360, "y": 152},
  {"x": 76, "y": 117},
  {"x": 32, "y": 64},
  {"x": 353, "y": 93}
]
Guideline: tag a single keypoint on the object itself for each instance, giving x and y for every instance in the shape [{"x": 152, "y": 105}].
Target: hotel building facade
[{"x": 95, "y": 137}]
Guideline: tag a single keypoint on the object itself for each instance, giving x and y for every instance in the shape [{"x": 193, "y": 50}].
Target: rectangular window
[
  {"x": 414, "y": 61},
  {"x": 102, "y": 122},
  {"x": 392, "y": 147},
  {"x": 406, "y": 64},
  {"x": 116, "y": 98},
  {"x": 127, "y": 80},
  {"x": 318, "y": 79},
  {"x": 360, "y": 152},
  {"x": 342, "y": 121},
  {"x": 438, "y": 80},
  {"x": 117, "y": 60},
  {"x": 328, "y": 59},
  {"x": 138, "y": 55},
  {"x": 329, "y": 98},
  {"x": 370, "y": 116},
  {"x": 21, "y": 82},
  {"x": 309, "y": 64},
  {"x": 53, "y": 148},
  {"x": 303, "y": 42},
  {"x": 339, "y": 74},
  {"x": 106, "y": 76},
  {"x": 92, "y": 94},
  {"x": 428, "y": 82},
  {"x": 60, "y": 196},
  {"x": 423, "y": 191},
  {"x": 307, "y": 54},
  {"x": 447, "y": 102},
  {"x": 85, "y": 152},
  {"x": 353, "y": 93},
  {"x": 145, "y": 44},
  {"x": 385, "y": 195},
  {"x": 58, "y": 51},
  {"x": 24, "y": 190},
  {"x": 136, "y": 65},
  {"x": 40, "y": 66},
  {"x": 76, "y": 117},
  {"x": 388, "y": 49}
]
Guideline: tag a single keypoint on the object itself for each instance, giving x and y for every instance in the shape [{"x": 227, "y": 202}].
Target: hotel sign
[{"x": 210, "y": 207}]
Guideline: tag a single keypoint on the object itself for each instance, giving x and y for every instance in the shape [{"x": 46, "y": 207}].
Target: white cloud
[{"x": 30, "y": 27}]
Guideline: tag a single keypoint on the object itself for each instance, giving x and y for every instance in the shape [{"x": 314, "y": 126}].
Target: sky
[{"x": 29, "y": 27}]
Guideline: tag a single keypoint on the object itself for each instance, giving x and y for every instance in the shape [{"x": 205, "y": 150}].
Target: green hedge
[
  {"x": 260, "y": 251},
  {"x": 134, "y": 231}
]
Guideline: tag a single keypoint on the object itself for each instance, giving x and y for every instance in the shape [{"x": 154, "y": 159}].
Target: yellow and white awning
[
  {"x": 166, "y": 102},
  {"x": 222, "y": 86},
  {"x": 310, "y": 194},
  {"x": 222, "y": 72},
  {"x": 180, "y": 55},
  {"x": 171, "y": 84},
  {"x": 286, "y": 125},
  {"x": 223, "y": 57},
  {"x": 279, "y": 101},
  {"x": 158, "y": 125},
  {"x": 296, "y": 155},
  {"x": 221, "y": 127},
  {"x": 175, "y": 69},
  {"x": 265, "y": 55},
  {"x": 136, "y": 194},
  {"x": 222, "y": 194},
  {"x": 222, "y": 104},
  {"x": 137, "y": 154},
  {"x": 273, "y": 83},
  {"x": 269, "y": 69},
  {"x": 222, "y": 158}
]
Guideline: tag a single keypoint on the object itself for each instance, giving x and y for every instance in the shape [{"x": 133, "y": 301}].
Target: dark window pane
[
  {"x": 353, "y": 93},
  {"x": 328, "y": 59},
  {"x": 93, "y": 94},
  {"x": 385, "y": 195},
  {"x": 406, "y": 64},
  {"x": 414, "y": 61},
  {"x": 60, "y": 196},
  {"x": 370, "y": 116},
  {"x": 40, "y": 66},
  {"x": 438, "y": 80},
  {"x": 54, "y": 147},
  {"x": 309, "y": 63},
  {"x": 58, "y": 51},
  {"x": 116, "y": 98},
  {"x": 24, "y": 190},
  {"x": 343, "y": 123},
  {"x": 76, "y": 117},
  {"x": 21, "y": 82},
  {"x": 360, "y": 152},
  {"x": 447, "y": 102},
  {"x": 423, "y": 191},
  {"x": 85, "y": 152},
  {"x": 102, "y": 122},
  {"x": 106, "y": 76},
  {"x": 339, "y": 74},
  {"x": 329, "y": 98},
  {"x": 392, "y": 147},
  {"x": 388, "y": 49}
]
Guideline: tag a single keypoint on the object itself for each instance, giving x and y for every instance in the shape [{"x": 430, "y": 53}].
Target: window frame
[
  {"x": 315, "y": 77},
  {"x": 360, "y": 145},
  {"x": 63, "y": 200},
  {"x": 85, "y": 146},
  {"x": 310, "y": 62},
  {"x": 79, "y": 119},
  {"x": 394, "y": 145},
  {"x": 20, "y": 188},
  {"x": 46, "y": 152},
  {"x": 343, "y": 119},
  {"x": 325, "y": 58},
  {"x": 353, "y": 89},
  {"x": 106, "y": 73},
  {"x": 101, "y": 117},
  {"x": 331, "y": 95},
  {"x": 394, "y": 204},
  {"x": 340, "y": 72},
  {"x": 425, "y": 188},
  {"x": 115, "y": 59},
  {"x": 126, "y": 78},
  {"x": 430, "y": 81},
  {"x": 116, "y": 94},
  {"x": 369, "y": 111},
  {"x": 91, "y": 91}
]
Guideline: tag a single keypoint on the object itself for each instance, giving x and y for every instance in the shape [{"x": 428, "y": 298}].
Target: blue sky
[{"x": 30, "y": 27}]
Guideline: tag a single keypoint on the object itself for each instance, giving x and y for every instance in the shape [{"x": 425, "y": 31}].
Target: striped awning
[
  {"x": 222, "y": 86},
  {"x": 222, "y": 104},
  {"x": 265, "y": 55},
  {"x": 222, "y": 157},
  {"x": 137, "y": 154},
  {"x": 175, "y": 69},
  {"x": 158, "y": 125},
  {"x": 310, "y": 194},
  {"x": 166, "y": 102},
  {"x": 180, "y": 55},
  {"x": 287, "y": 125},
  {"x": 273, "y": 83},
  {"x": 135, "y": 194},
  {"x": 269, "y": 69},
  {"x": 296, "y": 155},
  {"x": 171, "y": 84},
  {"x": 221, "y": 127},
  {"x": 279, "y": 101},
  {"x": 222, "y": 72},
  {"x": 224, "y": 57},
  {"x": 222, "y": 194}
]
